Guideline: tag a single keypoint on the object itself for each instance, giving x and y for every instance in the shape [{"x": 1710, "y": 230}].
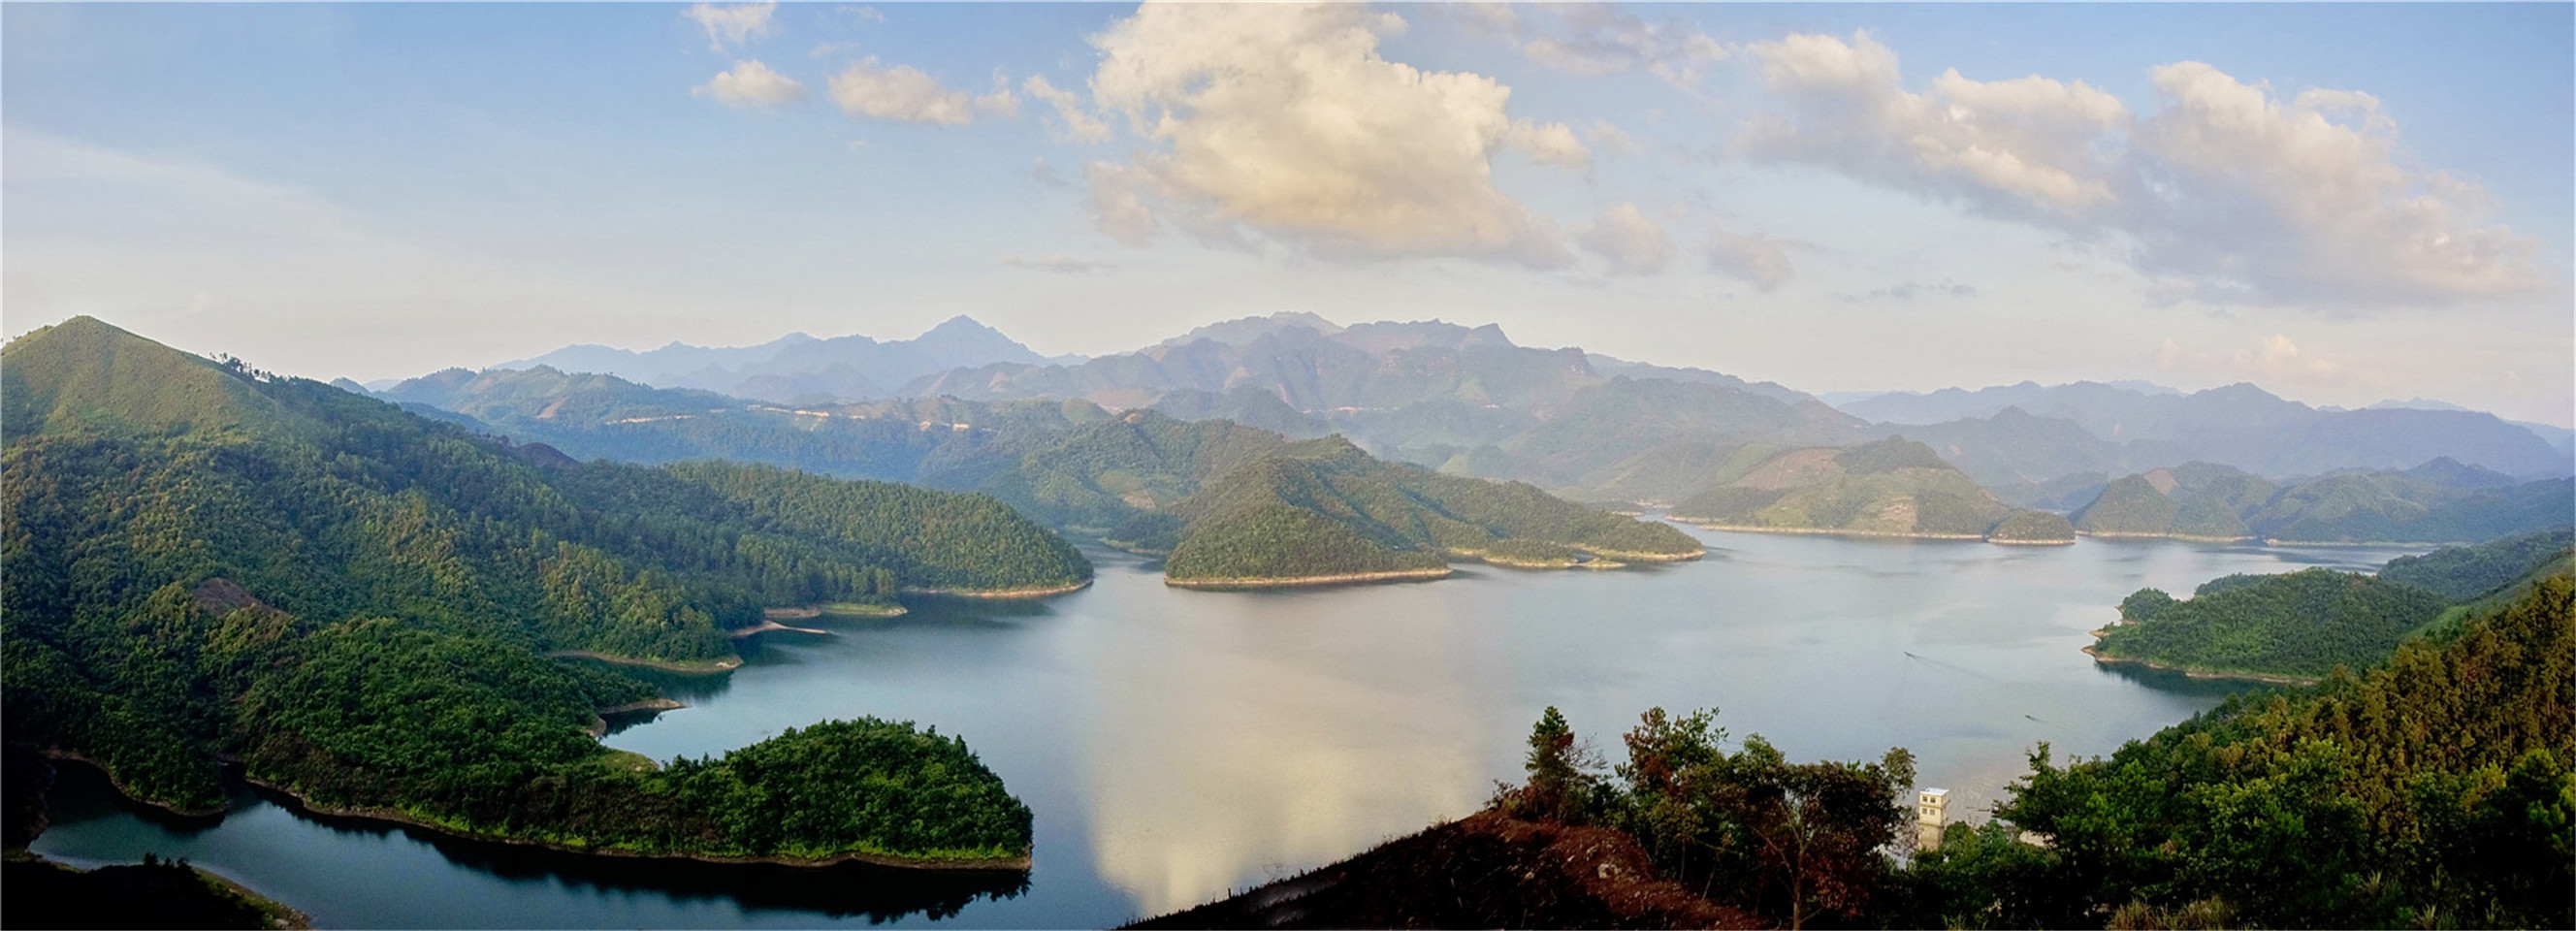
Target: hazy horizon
[{"x": 2342, "y": 205}]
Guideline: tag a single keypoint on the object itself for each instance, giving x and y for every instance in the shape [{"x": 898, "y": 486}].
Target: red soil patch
[{"x": 1487, "y": 870}]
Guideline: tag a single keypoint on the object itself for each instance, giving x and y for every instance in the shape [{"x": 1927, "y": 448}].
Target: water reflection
[
  {"x": 1250, "y": 735},
  {"x": 1177, "y": 744}
]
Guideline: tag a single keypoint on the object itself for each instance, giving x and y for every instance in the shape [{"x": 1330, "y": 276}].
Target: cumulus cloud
[
  {"x": 904, "y": 93},
  {"x": 2280, "y": 359},
  {"x": 2308, "y": 199},
  {"x": 2228, "y": 193},
  {"x": 752, "y": 84},
  {"x": 2023, "y": 142},
  {"x": 1286, "y": 120},
  {"x": 732, "y": 25},
  {"x": 1911, "y": 290},
  {"x": 1625, "y": 238},
  {"x": 1596, "y": 39},
  {"x": 1058, "y": 263},
  {"x": 1610, "y": 139},
  {"x": 1758, "y": 261},
  {"x": 1079, "y": 124}
]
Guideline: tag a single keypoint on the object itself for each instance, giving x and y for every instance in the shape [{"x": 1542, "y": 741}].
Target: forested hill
[
  {"x": 185, "y": 537},
  {"x": 2434, "y": 790},
  {"x": 1230, "y": 502},
  {"x": 1136, "y": 479},
  {"x": 332, "y": 505},
  {"x": 2305, "y": 624},
  {"x": 1889, "y": 487},
  {"x": 2439, "y": 501}
]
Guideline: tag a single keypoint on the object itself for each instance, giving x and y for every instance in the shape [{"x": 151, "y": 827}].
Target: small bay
[{"x": 1177, "y": 744}]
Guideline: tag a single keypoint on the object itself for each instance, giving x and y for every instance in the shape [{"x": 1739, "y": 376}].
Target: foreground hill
[
  {"x": 1487, "y": 870},
  {"x": 2433, "y": 789},
  {"x": 2304, "y": 624},
  {"x": 207, "y": 562},
  {"x": 2439, "y": 501},
  {"x": 1891, "y": 487}
]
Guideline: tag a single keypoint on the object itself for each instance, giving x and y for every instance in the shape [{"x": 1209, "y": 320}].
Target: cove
[{"x": 1177, "y": 744}]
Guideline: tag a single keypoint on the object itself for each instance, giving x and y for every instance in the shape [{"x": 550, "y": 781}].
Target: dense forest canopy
[
  {"x": 2305, "y": 624},
  {"x": 204, "y": 560},
  {"x": 2433, "y": 790}
]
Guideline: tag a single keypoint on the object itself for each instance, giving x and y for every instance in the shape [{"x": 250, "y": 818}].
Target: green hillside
[
  {"x": 2462, "y": 573},
  {"x": 2194, "y": 500},
  {"x": 356, "y": 602},
  {"x": 1890, "y": 487},
  {"x": 2206, "y": 501},
  {"x": 2301, "y": 624},
  {"x": 2306, "y": 623},
  {"x": 1324, "y": 508},
  {"x": 2434, "y": 789}
]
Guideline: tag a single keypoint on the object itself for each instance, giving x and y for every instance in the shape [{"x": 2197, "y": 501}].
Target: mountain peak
[{"x": 960, "y": 324}]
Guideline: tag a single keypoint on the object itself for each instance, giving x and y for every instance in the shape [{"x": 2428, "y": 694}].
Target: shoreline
[
  {"x": 2186, "y": 537},
  {"x": 2101, "y": 658},
  {"x": 2066, "y": 542},
  {"x": 766, "y": 625},
  {"x": 1628, "y": 556},
  {"x": 1391, "y": 575},
  {"x": 1833, "y": 532},
  {"x": 130, "y": 795},
  {"x": 303, "y": 806},
  {"x": 1001, "y": 594},
  {"x": 708, "y": 667},
  {"x": 649, "y": 704}
]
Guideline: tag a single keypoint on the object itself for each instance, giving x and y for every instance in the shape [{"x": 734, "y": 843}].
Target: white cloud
[
  {"x": 1058, "y": 263},
  {"x": 904, "y": 93},
  {"x": 2283, "y": 201},
  {"x": 1624, "y": 237},
  {"x": 2023, "y": 143},
  {"x": 752, "y": 84},
  {"x": 1285, "y": 119},
  {"x": 1594, "y": 39},
  {"x": 732, "y": 25},
  {"x": 1610, "y": 139},
  {"x": 1752, "y": 258},
  {"x": 2227, "y": 194},
  {"x": 2279, "y": 359},
  {"x": 1079, "y": 124}
]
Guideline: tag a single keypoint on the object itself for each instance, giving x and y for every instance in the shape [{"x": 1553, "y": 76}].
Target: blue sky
[{"x": 2341, "y": 203}]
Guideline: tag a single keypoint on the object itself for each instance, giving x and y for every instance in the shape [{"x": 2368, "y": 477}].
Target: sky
[{"x": 2341, "y": 203}]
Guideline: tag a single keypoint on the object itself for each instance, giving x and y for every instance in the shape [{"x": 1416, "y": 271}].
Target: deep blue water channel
[{"x": 1176, "y": 745}]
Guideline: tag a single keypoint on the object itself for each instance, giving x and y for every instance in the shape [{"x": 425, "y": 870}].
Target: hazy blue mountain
[
  {"x": 797, "y": 366},
  {"x": 2246, "y": 427},
  {"x": 1948, "y": 404},
  {"x": 1325, "y": 369},
  {"x": 2014, "y": 448},
  {"x": 1243, "y": 330},
  {"x": 2439, "y": 501}
]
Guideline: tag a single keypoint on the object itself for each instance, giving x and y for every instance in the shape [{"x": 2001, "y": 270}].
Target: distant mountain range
[
  {"x": 1468, "y": 401},
  {"x": 800, "y": 367},
  {"x": 2243, "y": 426},
  {"x": 2442, "y": 501},
  {"x": 1231, "y": 504}
]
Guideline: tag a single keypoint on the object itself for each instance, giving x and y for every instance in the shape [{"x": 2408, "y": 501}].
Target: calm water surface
[{"x": 1179, "y": 744}]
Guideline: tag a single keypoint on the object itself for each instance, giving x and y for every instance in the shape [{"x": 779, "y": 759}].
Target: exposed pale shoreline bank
[
  {"x": 2095, "y": 651},
  {"x": 1347, "y": 578}
]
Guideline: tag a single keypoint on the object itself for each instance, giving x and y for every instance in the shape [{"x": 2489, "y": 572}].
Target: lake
[{"x": 1177, "y": 745}]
